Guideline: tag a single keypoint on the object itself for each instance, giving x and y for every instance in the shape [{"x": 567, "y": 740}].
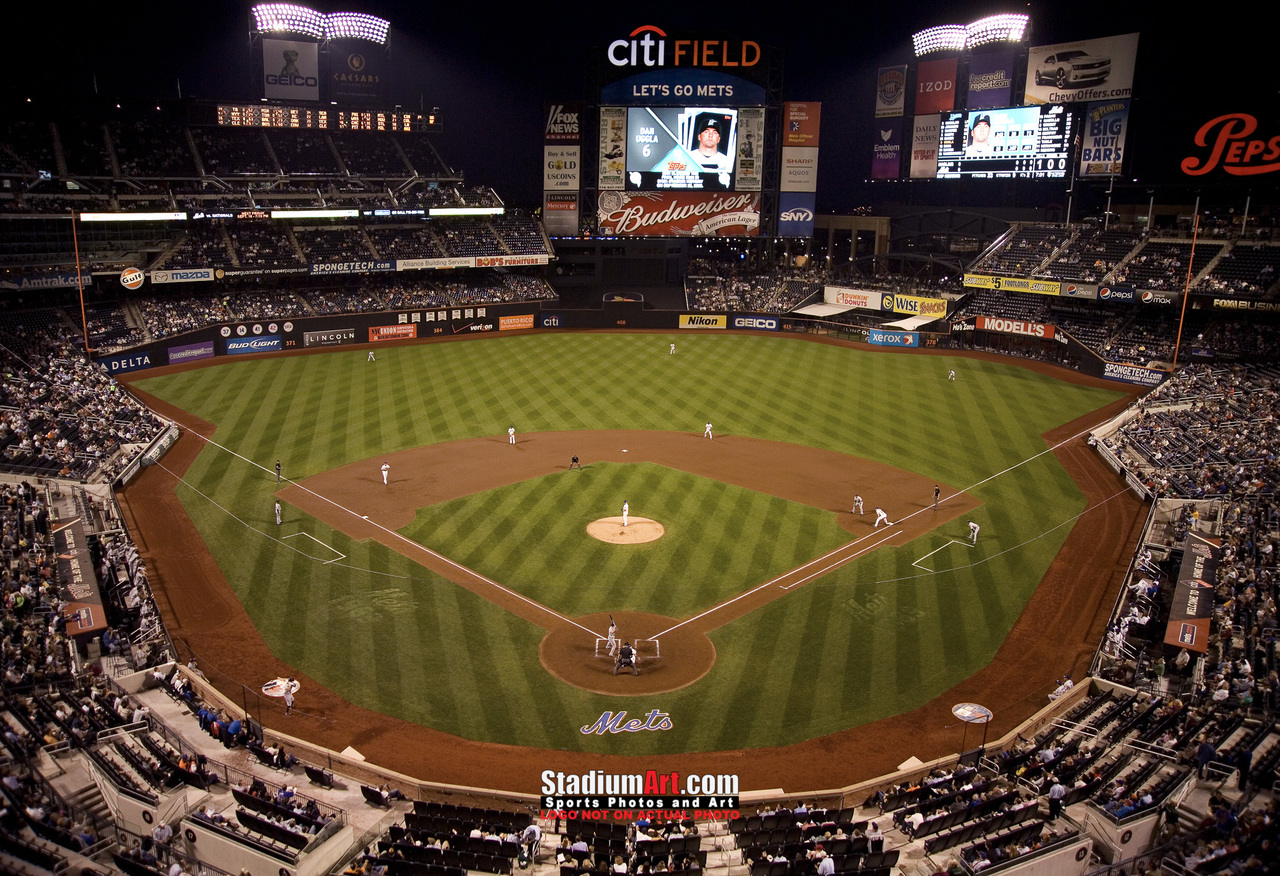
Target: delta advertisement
[
  {"x": 1098, "y": 69},
  {"x": 122, "y": 363},
  {"x": 1192, "y": 605},
  {"x": 678, "y": 214},
  {"x": 1102, "y": 138}
]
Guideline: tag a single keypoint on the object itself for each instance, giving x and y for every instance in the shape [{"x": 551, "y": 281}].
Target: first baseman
[
  {"x": 386, "y": 468},
  {"x": 882, "y": 517},
  {"x": 857, "y": 505},
  {"x": 626, "y": 509}
]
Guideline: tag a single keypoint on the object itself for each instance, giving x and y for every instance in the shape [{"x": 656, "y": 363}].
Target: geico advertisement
[
  {"x": 703, "y": 320},
  {"x": 759, "y": 323}
]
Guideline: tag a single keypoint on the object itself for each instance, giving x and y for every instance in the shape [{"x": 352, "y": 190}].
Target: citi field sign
[{"x": 648, "y": 46}]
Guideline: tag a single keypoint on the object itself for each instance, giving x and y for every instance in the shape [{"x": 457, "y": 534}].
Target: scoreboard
[
  {"x": 1021, "y": 142},
  {"x": 324, "y": 118}
]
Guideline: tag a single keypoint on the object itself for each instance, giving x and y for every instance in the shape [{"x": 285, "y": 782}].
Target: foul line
[
  {"x": 917, "y": 563},
  {"x": 340, "y": 554},
  {"x": 413, "y": 544}
]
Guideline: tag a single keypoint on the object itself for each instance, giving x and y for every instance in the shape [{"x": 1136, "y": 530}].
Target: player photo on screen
[
  {"x": 1031, "y": 142},
  {"x": 681, "y": 148}
]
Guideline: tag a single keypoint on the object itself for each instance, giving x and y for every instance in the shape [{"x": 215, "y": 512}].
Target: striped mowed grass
[{"x": 875, "y": 637}]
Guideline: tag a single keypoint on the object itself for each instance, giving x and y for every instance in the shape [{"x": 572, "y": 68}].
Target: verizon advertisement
[
  {"x": 678, "y": 214},
  {"x": 1014, "y": 327}
]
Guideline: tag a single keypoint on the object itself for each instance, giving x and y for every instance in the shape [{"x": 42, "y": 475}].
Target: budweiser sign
[
  {"x": 679, "y": 214},
  {"x": 1231, "y": 146}
]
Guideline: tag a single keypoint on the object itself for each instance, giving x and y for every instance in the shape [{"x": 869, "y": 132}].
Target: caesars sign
[{"x": 679, "y": 214}]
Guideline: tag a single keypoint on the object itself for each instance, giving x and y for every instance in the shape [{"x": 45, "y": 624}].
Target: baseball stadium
[{"x": 693, "y": 511}]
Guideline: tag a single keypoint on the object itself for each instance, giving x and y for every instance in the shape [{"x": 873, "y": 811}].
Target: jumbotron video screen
[
  {"x": 1021, "y": 142},
  {"x": 681, "y": 148}
]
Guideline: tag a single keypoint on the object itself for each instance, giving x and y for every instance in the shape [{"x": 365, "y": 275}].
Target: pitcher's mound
[{"x": 637, "y": 531}]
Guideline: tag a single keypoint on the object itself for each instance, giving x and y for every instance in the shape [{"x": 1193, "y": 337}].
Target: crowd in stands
[{"x": 724, "y": 287}]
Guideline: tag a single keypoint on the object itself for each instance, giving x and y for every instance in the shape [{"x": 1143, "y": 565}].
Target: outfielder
[
  {"x": 673, "y": 350},
  {"x": 612, "y": 644},
  {"x": 882, "y": 517},
  {"x": 857, "y": 506},
  {"x": 371, "y": 359},
  {"x": 707, "y": 432},
  {"x": 386, "y": 469},
  {"x": 951, "y": 375},
  {"x": 626, "y": 509},
  {"x": 973, "y": 532}
]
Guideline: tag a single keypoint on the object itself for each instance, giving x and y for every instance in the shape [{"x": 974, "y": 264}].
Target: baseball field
[{"x": 465, "y": 598}]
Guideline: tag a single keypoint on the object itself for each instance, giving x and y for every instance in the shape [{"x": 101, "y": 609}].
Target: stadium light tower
[
  {"x": 288, "y": 18},
  {"x": 1006, "y": 27},
  {"x": 356, "y": 26}
]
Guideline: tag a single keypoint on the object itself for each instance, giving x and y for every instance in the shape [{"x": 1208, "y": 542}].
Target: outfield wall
[{"x": 324, "y": 332}]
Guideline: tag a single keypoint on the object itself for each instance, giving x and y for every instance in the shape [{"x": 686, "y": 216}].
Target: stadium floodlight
[
  {"x": 1006, "y": 28},
  {"x": 356, "y": 26},
  {"x": 943, "y": 38},
  {"x": 288, "y": 18}
]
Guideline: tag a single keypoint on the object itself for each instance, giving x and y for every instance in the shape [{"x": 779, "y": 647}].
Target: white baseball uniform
[
  {"x": 882, "y": 517},
  {"x": 371, "y": 359},
  {"x": 857, "y": 505},
  {"x": 511, "y": 434},
  {"x": 673, "y": 349},
  {"x": 708, "y": 432},
  {"x": 626, "y": 509},
  {"x": 277, "y": 512},
  {"x": 973, "y": 532},
  {"x": 386, "y": 467}
]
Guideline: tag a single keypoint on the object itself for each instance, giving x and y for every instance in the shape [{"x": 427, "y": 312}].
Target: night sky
[{"x": 490, "y": 72}]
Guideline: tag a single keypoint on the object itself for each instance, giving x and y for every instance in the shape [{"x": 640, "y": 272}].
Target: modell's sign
[
  {"x": 1014, "y": 327},
  {"x": 1231, "y": 143},
  {"x": 679, "y": 214}
]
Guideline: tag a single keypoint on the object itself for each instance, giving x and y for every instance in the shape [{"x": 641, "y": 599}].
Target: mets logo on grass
[{"x": 652, "y": 794}]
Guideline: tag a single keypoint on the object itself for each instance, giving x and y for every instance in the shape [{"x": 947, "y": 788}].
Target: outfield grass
[{"x": 874, "y": 638}]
